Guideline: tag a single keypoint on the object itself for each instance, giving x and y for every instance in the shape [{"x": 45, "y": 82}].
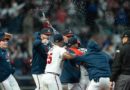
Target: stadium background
[{"x": 19, "y": 17}]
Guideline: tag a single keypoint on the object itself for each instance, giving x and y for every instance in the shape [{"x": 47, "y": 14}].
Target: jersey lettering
[{"x": 49, "y": 58}]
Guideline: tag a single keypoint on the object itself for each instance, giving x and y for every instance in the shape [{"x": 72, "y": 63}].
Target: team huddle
[
  {"x": 62, "y": 64},
  {"x": 58, "y": 62}
]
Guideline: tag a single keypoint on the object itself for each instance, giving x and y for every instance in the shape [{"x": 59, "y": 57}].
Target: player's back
[{"x": 54, "y": 60}]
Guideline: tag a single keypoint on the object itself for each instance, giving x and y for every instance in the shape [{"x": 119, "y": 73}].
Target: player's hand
[
  {"x": 45, "y": 41},
  {"x": 111, "y": 85},
  {"x": 30, "y": 62},
  {"x": 8, "y": 35}
]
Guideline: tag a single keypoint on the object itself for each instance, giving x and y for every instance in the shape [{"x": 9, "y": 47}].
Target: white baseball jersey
[{"x": 54, "y": 59}]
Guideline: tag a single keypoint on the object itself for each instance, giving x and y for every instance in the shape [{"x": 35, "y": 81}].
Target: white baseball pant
[
  {"x": 84, "y": 80},
  {"x": 71, "y": 86},
  {"x": 103, "y": 84},
  {"x": 51, "y": 82},
  {"x": 74, "y": 86},
  {"x": 10, "y": 84},
  {"x": 38, "y": 81}
]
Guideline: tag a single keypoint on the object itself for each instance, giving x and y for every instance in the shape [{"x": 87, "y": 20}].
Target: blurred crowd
[{"x": 21, "y": 17}]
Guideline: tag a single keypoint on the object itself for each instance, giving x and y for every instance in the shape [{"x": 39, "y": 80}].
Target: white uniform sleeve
[{"x": 63, "y": 50}]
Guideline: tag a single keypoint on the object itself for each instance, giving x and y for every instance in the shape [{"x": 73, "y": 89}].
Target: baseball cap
[
  {"x": 68, "y": 33},
  {"x": 46, "y": 31},
  {"x": 126, "y": 34},
  {"x": 5, "y": 36},
  {"x": 72, "y": 41},
  {"x": 58, "y": 38}
]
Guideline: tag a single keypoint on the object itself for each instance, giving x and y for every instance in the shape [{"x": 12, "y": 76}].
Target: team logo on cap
[
  {"x": 48, "y": 30},
  {"x": 70, "y": 31}
]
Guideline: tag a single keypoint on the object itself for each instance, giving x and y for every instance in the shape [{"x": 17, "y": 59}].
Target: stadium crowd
[{"x": 20, "y": 17}]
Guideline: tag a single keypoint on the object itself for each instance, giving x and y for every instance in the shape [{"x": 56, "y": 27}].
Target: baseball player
[
  {"x": 97, "y": 65},
  {"x": 71, "y": 70},
  {"x": 67, "y": 34},
  {"x": 84, "y": 79},
  {"x": 40, "y": 49},
  {"x": 53, "y": 68},
  {"x": 7, "y": 80},
  {"x": 70, "y": 81}
]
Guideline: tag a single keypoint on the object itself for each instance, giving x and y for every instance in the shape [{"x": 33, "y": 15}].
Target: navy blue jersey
[
  {"x": 97, "y": 61},
  {"x": 71, "y": 70},
  {"x": 39, "y": 55},
  {"x": 5, "y": 69}
]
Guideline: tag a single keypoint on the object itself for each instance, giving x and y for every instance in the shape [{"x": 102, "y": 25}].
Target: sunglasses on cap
[
  {"x": 5, "y": 39},
  {"x": 69, "y": 35},
  {"x": 48, "y": 34}
]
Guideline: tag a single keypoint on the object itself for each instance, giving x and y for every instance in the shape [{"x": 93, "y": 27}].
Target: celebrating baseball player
[
  {"x": 71, "y": 70},
  {"x": 40, "y": 49},
  {"x": 56, "y": 55},
  {"x": 72, "y": 78},
  {"x": 97, "y": 64},
  {"x": 7, "y": 80}
]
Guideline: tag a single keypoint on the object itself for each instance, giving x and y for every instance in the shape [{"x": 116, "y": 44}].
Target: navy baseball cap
[
  {"x": 72, "y": 41},
  {"x": 46, "y": 31},
  {"x": 126, "y": 34},
  {"x": 58, "y": 38},
  {"x": 5, "y": 36},
  {"x": 68, "y": 33}
]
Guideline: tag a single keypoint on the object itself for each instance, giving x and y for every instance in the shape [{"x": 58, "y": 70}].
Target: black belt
[{"x": 53, "y": 73}]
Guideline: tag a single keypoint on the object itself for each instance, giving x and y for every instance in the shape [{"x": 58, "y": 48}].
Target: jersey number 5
[{"x": 49, "y": 58}]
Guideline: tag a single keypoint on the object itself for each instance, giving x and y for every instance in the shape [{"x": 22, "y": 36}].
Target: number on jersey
[{"x": 49, "y": 58}]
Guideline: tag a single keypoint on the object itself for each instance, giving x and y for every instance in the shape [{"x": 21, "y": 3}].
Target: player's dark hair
[{"x": 58, "y": 38}]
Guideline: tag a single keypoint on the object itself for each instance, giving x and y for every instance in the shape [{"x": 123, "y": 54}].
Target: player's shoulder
[
  {"x": 58, "y": 47},
  {"x": 61, "y": 50}
]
